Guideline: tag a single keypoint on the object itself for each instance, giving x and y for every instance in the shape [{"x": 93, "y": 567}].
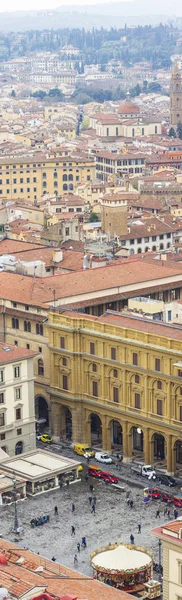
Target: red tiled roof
[
  {"x": 10, "y": 353},
  {"x": 59, "y": 581},
  {"x": 40, "y": 291}
]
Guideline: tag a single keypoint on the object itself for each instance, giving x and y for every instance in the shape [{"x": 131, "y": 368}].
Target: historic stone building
[
  {"x": 176, "y": 97},
  {"x": 114, "y": 214},
  {"x": 116, "y": 380}
]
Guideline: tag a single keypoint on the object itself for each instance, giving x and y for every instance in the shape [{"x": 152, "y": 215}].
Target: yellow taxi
[{"x": 46, "y": 438}]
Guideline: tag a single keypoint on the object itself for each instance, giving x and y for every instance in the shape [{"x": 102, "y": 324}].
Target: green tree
[
  {"x": 135, "y": 91},
  {"x": 39, "y": 94},
  {"x": 179, "y": 130},
  {"x": 94, "y": 218},
  {"x": 172, "y": 132}
]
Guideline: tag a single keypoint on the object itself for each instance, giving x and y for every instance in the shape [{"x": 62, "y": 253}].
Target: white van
[{"x": 103, "y": 458}]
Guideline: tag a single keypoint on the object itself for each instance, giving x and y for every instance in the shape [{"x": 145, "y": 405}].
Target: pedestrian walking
[
  {"x": 165, "y": 511},
  {"x": 95, "y": 500},
  {"x": 53, "y": 558},
  {"x": 91, "y": 488},
  {"x": 75, "y": 560},
  {"x": 72, "y": 530},
  {"x": 157, "y": 514},
  {"x": 84, "y": 543},
  {"x": 168, "y": 513},
  {"x": 139, "y": 527},
  {"x": 131, "y": 503},
  {"x": 56, "y": 510},
  {"x": 86, "y": 477},
  {"x": 132, "y": 539},
  {"x": 73, "y": 508},
  {"x": 78, "y": 547},
  {"x": 90, "y": 499},
  {"x": 93, "y": 508}
]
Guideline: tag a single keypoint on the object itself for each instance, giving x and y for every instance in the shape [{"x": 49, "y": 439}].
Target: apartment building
[
  {"x": 29, "y": 179},
  {"x": 150, "y": 235},
  {"x": 116, "y": 380},
  {"x": 110, "y": 163},
  {"x": 17, "y": 413},
  {"x": 170, "y": 535}
]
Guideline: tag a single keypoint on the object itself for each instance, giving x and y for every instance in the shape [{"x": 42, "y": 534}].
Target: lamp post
[{"x": 16, "y": 514}]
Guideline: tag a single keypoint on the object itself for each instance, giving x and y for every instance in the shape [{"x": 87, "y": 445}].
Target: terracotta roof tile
[{"x": 72, "y": 585}]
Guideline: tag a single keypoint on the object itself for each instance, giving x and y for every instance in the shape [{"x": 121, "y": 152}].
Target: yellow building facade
[
  {"x": 37, "y": 176},
  {"x": 117, "y": 383}
]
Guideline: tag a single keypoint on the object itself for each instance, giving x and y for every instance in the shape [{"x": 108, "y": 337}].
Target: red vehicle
[
  {"x": 154, "y": 494},
  {"x": 94, "y": 472},
  {"x": 166, "y": 498},
  {"x": 177, "y": 502},
  {"x": 108, "y": 477}
]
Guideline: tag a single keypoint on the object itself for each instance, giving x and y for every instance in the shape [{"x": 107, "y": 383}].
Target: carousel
[{"x": 125, "y": 567}]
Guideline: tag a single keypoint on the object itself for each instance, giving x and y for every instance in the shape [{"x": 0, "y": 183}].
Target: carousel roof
[{"x": 121, "y": 558}]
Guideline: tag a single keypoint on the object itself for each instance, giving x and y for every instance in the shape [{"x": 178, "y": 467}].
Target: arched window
[
  {"x": 139, "y": 250},
  {"x": 44, "y": 184},
  {"x": 55, "y": 175},
  {"x": 154, "y": 248},
  {"x": 19, "y": 448},
  {"x": 65, "y": 187},
  {"x": 27, "y": 326},
  {"x": 70, "y": 187},
  {"x": 70, "y": 177},
  {"x": 65, "y": 177},
  {"x": 44, "y": 175},
  {"x": 39, "y": 329},
  {"x": 40, "y": 367},
  {"x": 15, "y": 323},
  {"x": 161, "y": 247},
  {"x": 55, "y": 184}
]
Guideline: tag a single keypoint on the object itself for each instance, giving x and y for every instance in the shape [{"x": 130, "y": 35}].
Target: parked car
[
  {"x": 46, "y": 438},
  {"x": 144, "y": 470},
  {"x": 108, "y": 477},
  {"x": 103, "y": 458},
  {"x": 177, "y": 501},
  {"x": 166, "y": 498},
  {"x": 166, "y": 480},
  {"x": 94, "y": 471},
  {"x": 154, "y": 493}
]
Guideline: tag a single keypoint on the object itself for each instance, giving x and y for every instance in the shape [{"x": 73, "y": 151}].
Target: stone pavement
[{"x": 113, "y": 522}]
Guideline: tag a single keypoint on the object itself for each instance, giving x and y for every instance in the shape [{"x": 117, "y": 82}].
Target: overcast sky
[{"x": 42, "y": 4}]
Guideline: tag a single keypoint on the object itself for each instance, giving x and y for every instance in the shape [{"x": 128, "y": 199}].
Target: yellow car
[{"x": 46, "y": 438}]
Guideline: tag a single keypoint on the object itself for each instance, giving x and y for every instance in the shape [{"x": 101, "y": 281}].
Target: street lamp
[{"x": 16, "y": 525}]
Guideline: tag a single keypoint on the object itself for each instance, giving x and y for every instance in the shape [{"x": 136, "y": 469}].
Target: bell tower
[{"x": 176, "y": 97}]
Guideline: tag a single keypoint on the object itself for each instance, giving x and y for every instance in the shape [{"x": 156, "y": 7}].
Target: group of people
[
  {"x": 39, "y": 521},
  {"x": 83, "y": 545}
]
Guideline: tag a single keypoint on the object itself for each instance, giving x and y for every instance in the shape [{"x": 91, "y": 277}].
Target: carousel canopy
[{"x": 121, "y": 558}]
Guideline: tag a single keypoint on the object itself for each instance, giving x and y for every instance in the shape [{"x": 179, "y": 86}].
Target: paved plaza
[{"x": 113, "y": 521}]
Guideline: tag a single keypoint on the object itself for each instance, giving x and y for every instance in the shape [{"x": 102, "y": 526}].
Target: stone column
[
  {"x": 146, "y": 447},
  {"x": 106, "y": 436},
  {"x": 127, "y": 442},
  {"x": 55, "y": 416},
  {"x": 169, "y": 451},
  {"x": 80, "y": 425}
]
